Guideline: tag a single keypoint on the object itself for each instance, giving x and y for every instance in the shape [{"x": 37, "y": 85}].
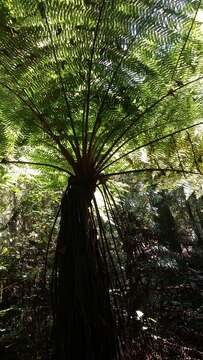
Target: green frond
[{"x": 87, "y": 70}]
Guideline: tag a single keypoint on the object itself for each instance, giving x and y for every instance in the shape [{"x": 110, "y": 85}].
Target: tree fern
[{"x": 91, "y": 83}]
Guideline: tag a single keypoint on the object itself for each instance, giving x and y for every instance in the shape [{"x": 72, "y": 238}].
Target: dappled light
[{"x": 101, "y": 179}]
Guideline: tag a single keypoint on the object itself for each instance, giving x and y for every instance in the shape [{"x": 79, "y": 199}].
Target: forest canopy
[{"x": 96, "y": 96}]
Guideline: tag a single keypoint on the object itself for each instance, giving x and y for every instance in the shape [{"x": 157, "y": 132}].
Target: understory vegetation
[{"x": 161, "y": 254}]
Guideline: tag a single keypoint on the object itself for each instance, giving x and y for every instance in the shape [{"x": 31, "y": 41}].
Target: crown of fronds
[{"x": 97, "y": 80}]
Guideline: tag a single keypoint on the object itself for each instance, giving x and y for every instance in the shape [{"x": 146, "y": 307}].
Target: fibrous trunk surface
[{"x": 83, "y": 320}]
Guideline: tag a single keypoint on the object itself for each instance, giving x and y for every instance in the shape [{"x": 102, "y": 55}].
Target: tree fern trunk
[{"x": 84, "y": 327}]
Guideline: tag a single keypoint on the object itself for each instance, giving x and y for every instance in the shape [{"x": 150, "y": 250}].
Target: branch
[
  {"x": 98, "y": 119},
  {"x": 193, "y": 152},
  {"x": 44, "y": 124},
  {"x": 5, "y": 162},
  {"x": 18, "y": 96},
  {"x": 85, "y": 125},
  {"x": 34, "y": 107},
  {"x": 105, "y": 157},
  {"x": 62, "y": 83},
  {"x": 102, "y": 144},
  {"x": 49, "y": 242},
  {"x": 149, "y": 143},
  {"x": 186, "y": 40},
  {"x": 162, "y": 170},
  {"x": 177, "y": 152}
]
